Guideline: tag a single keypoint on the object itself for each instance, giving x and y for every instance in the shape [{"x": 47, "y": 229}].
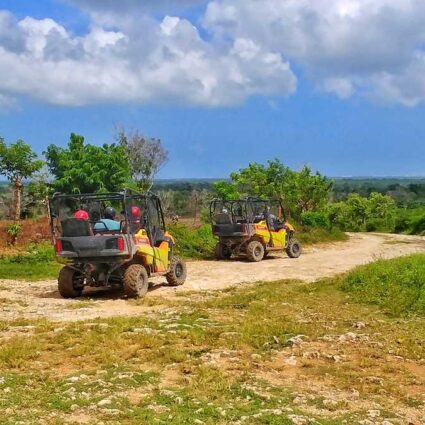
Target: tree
[
  {"x": 197, "y": 200},
  {"x": 381, "y": 208},
  {"x": 265, "y": 181},
  {"x": 85, "y": 168},
  {"x": 38, "y": 191},
  {"x": 300, "y": 192},
  {"x": 145, "y": 156},
  {"x": 18, "y": 162},
  {"x": 225, "y": 190},
  {"x": 307, "y": 192}
]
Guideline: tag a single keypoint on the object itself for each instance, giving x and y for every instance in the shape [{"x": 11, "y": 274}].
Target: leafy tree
[
  {"x": 85, "y": 168},
  {"x": 145, "y": 156},
  {"x": 18, "y": 162},
  {"x": 265, "y": 181},
  {"x": 307, "y": 191},
  {"x": 225, "y": 190},
  {"x": 358, "y": 213},
  {"x": 300, "y": 192},
  {"x": 37, "y": 193}
]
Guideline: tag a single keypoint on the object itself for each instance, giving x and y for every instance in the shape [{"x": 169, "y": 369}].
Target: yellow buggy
[
  {"x": 252, "y": 227},
  {"x": 112, "y": 239}
]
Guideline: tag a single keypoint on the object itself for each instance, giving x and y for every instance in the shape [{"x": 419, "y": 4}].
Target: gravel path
[{"x": 41, "y": 299}]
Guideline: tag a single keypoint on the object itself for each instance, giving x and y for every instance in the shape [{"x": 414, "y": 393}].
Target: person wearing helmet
[
  {"x": 108, "y": 222},
  {"x": 135, "y": 219},
  {"x": 81, "y": 215}
]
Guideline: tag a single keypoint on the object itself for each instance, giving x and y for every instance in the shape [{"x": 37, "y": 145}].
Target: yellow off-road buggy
[
  {"x": 252, "y": 227},
  {"x": 105, "y": 248}
]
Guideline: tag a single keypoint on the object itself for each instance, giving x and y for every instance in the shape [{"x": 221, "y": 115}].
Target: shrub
[
  {"x": 13, "y": 230},
  {"x": 411, "y": 221},
  {"x": 193, "y": 242},
  {"x": 397, "y": 285},
  {"x": 315, "y": 219}
]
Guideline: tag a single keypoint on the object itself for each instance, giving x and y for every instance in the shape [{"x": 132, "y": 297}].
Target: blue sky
[{"x": 243, "y": 97}]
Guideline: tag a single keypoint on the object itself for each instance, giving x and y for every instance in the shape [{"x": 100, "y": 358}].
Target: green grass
[
  {"x": 197, "y": 243},
  {"x": 411, "y": 221},
  {"x": 218, "y": 358},
  {"x": 29, "y": 272},
  {"x": 36, "y": 262},
  {"x": 397, "y": 285},
  {"x": 314, "y": 235}
]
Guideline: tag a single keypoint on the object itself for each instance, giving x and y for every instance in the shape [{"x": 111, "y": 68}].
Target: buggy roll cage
[
  {"x": 246, "y": 207},
  {"x": 123, "y": 197}
]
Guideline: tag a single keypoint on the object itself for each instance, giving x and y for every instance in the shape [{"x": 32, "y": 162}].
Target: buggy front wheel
[
  {"x": 177, "y": 273},
  {"x": 293, "y": 249}
]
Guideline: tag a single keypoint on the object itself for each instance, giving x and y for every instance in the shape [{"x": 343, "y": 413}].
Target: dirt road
[{"x": 41, "y": 299}]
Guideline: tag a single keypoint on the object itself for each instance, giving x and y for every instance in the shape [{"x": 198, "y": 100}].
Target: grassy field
[
  {"x": 275, "y": 353},
  {"x": 36, "y": 262}
]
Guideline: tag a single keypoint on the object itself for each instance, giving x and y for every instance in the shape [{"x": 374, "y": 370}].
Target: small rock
[
  {"x": 330, "y": 403},
  {"x": 298, "y": 420},
  {"x": 104, "y": 402},
  {"x": 74, "y": 407},
  {"x": 198, "y": 421},
  {"x": 348, "y": 337},
  {"x": 296, "y": 340},
  {"x": 375, "y": 380},
  {"x": 291, "y": 361},
  {"x": 300, "y": 400},
  {"x": 374, "y": 413},
  {"x": 311, "y": 355},
  {"x": 359, "y": 325}
]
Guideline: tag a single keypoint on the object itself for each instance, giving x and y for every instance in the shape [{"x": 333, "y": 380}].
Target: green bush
[
  {"x": 312, "y": 235},
  {"x": 34, "y": 263},
  {"x": 315, "y": 219},
  {"x": 33, "y": 254},
  {"x": 193, "y": 242},
  {"x": 396, "y": 285},
  {"x": 411, "y": 221}
]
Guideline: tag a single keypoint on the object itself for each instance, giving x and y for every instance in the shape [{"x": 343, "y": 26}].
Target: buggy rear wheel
[
  {"x": 255, "y": 251},
  {"x": 293, "y": 249},
  {"x": 176, "y": 276},
  {"x": 70, "y": 283},
  {"x": 222, "y": 252},
  {"x": 136, "y": 281}
]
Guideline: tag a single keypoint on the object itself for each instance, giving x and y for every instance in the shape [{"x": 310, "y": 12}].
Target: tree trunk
[{"x": 17, "y": 196}]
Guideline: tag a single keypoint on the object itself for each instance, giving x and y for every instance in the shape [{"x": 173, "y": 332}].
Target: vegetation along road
[{"x": 41, "y": 299}]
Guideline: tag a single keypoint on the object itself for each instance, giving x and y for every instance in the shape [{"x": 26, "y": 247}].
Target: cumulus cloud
[
  {"x": 135, "y": 52},
  {"x": 344, "y": 46},
  {"x": 146, "y": 60}
]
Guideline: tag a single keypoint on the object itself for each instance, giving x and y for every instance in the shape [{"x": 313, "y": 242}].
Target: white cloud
[
  {"x": 372, "y": 48},
  {"x": 343, "y": 46},
  {"x": 149, "y": 61}
]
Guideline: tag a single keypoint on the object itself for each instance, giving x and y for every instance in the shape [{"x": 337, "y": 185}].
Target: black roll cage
[
  {"x": 247, "y": 207},
  {"x": 123, "y": 197}
]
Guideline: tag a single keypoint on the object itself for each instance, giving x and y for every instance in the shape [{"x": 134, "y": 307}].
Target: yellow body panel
[
  {"x": 149, "y": 253},
  {"x": 274, "y": 239}
]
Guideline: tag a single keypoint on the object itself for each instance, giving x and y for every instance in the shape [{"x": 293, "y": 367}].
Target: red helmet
[
  {"x": 136, "y": 212},
  {"x": 81, "y": 215}
]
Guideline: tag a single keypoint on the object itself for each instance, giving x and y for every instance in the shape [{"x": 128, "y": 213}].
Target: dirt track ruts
[{"x": 41, "y": 299}]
